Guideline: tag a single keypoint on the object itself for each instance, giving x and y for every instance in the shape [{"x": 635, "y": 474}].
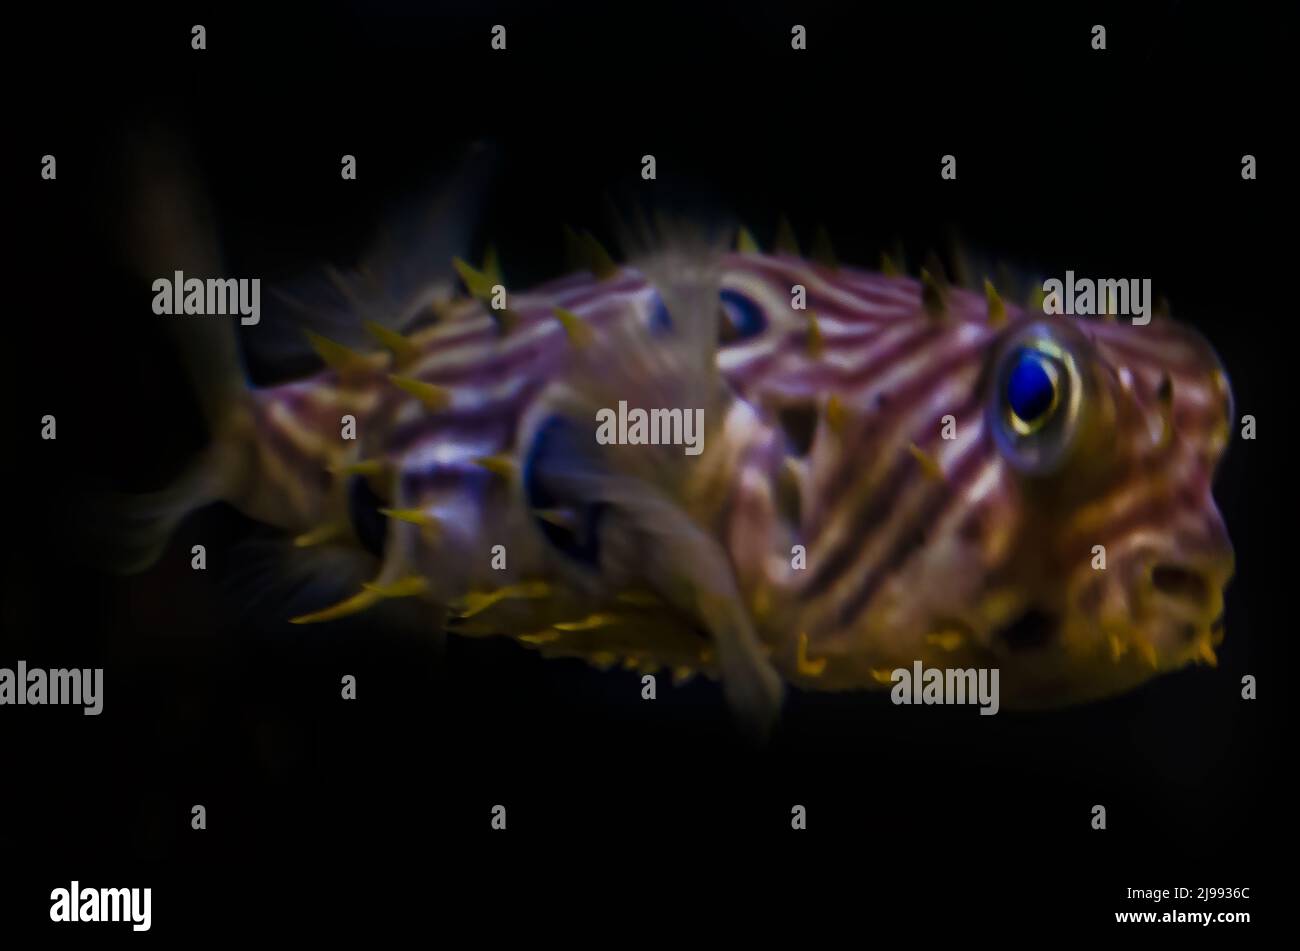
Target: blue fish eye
[
  {"x": 1032, "y": 390},
  {"x": 741, "y": 318}
]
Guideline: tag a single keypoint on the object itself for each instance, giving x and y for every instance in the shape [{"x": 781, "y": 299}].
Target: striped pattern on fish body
[
  {"x": 954, "y": 565},
  {"x": 872, "y": 428},
  {"x": 487, "y": 378}
]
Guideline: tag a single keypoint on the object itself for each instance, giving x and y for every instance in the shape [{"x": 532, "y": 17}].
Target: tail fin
[
  {"x": 169, "y": 229},
  {"x": 130, "y": 532}
]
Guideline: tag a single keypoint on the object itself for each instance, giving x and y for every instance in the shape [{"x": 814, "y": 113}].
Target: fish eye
[
  {"x": 740, "y": 318},
  {"x": 1035, "y": 406},
  {"x": 1033, "y": 390}
]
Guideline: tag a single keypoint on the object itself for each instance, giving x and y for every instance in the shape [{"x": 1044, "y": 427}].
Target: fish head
[
  {"x": 1031, "y": 493},
  {"x": 1111, "y": 433}
]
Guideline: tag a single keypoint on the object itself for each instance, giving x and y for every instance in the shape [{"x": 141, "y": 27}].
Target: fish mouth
[
  {"x": 1032, "y": 629},
  {"x": 1181, "y": 583}
]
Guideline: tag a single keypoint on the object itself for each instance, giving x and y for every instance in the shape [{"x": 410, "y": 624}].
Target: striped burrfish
[{"x": 760, "y": 467}]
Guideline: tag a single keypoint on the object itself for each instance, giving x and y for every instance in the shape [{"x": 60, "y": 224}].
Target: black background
[{"x": 625, "y": 817}]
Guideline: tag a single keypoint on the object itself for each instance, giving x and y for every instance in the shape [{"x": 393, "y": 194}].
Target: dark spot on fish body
[
  {"x": 789, "y": 504},
  {"x": 368, "y": 523},
  {"x": 1034, "y": 629},
  {"x": 799, "y": 423},
  {"x": 1181, "y": 583},
  {"x": 972, "y": 526},
  {"x": 1091, "y": 599},
  {"x": 1165, "y": 388},
  {"x": 557, "y": 448}
]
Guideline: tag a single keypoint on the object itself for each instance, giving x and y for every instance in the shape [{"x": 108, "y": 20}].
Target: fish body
[{"x": 867, "y": 492}]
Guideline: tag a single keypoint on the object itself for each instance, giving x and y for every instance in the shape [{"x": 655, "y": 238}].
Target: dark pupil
[{"x": 1030, "y": 389}]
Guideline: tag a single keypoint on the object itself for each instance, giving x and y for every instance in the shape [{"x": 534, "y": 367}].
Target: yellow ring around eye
[{"x": 1024, "y": 427}]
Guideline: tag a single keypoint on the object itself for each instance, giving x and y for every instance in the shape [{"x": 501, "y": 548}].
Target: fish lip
[{"x": 1033, "y": 628}]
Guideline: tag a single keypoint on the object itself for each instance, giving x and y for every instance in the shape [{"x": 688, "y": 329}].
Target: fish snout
[{"x": 1183, "y": 596}]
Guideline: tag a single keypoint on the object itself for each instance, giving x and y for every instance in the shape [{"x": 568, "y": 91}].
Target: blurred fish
[{"x": 900, "y": 470}]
